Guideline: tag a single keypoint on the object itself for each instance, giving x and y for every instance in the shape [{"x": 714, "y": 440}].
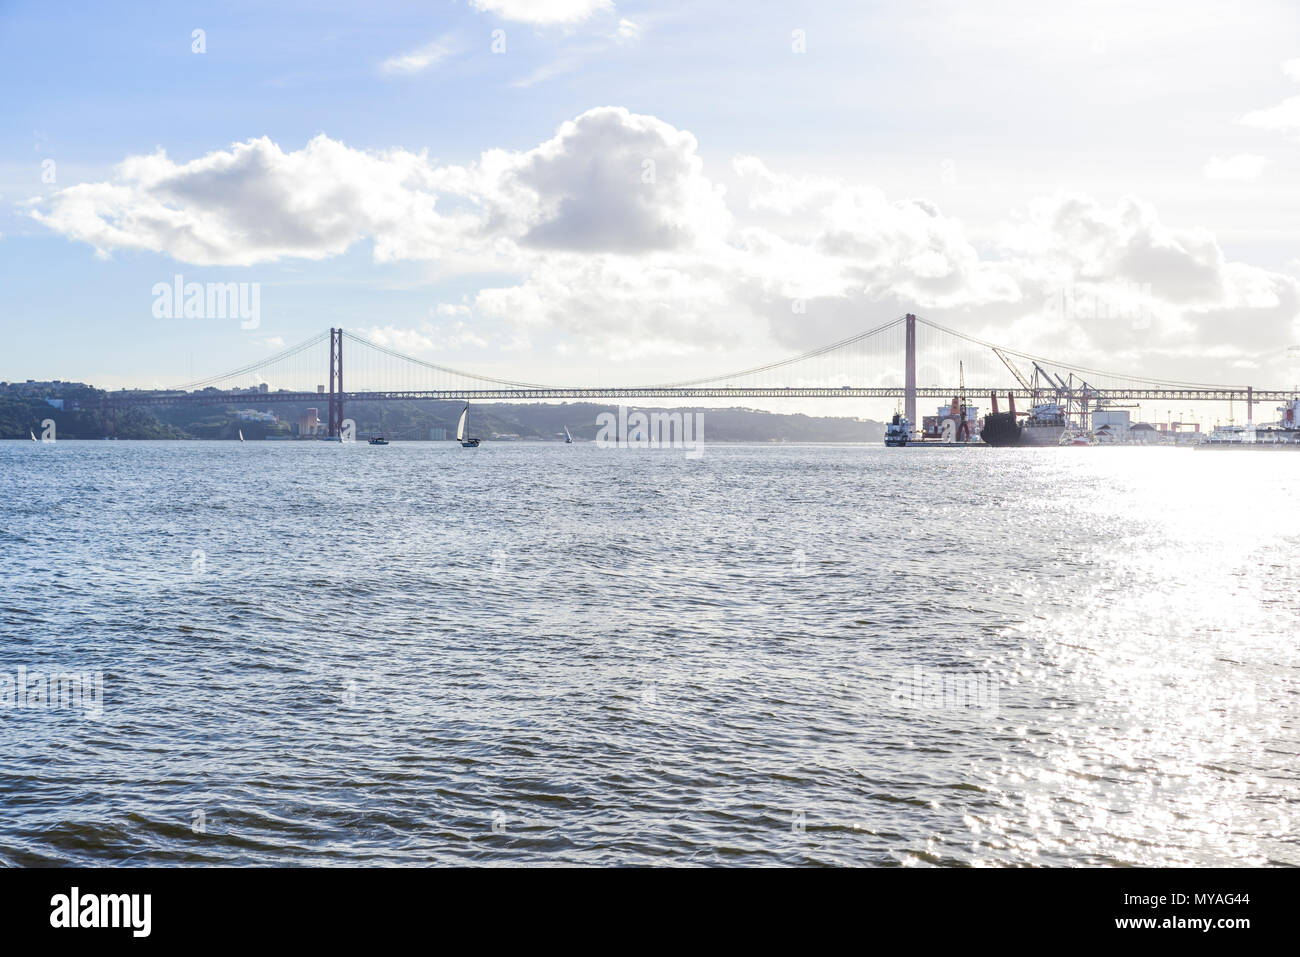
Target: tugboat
[
  {"x": 460, "y": 431},
  {"x": 898, "y": 431}
]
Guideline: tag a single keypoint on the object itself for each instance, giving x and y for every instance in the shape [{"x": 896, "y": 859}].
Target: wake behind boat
[{"x": 460, "y": 430}]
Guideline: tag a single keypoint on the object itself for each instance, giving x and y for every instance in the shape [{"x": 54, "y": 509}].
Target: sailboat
[
  {"x": 241, "y": 434},
  {"x": 460, "y": 431},
  {"x": 568, "y": 439},
  {"x": 33, "y": 435}
]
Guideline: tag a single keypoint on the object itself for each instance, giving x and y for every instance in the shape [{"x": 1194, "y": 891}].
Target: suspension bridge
[{"x": 904, "y": 358}]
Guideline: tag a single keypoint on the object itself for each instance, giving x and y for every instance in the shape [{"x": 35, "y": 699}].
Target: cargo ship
[
  {"x": 954, "y": 424},
  {"x": 1001, "y": 428},
  {"x": 1044, "y": 425},
  {"x": 1282, "y": 434}
]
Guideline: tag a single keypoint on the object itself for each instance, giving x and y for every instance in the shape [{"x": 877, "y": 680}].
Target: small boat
[
  {"x": 898, "y": 431},
  {"x": 460, "y": 431},
  {"x": 1077, "y": 437},
  {"x": 241, "y": 434},
  {"x": 379, "y": 440},
  {"x": 33, "y": 435},
  {"x": 568, "y": 439}
]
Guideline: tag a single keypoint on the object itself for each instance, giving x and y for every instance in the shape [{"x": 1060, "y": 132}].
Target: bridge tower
[
  {"x": 909, "y": 373},
  {"x": 336, "y": 383}
]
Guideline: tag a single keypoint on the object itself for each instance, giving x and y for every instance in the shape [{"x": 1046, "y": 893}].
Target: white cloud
[
  {"x": 1283, "y": 118},
  {"x": 615, "y": 238},
  {"x": 624, "y": 307},
  {"x": 419, "y": 60},
  {"x": 617, "y": 181},
  {"x": 1242, "y": 167},
  {"x": 255, "y": 203},
  {"x": 462, "y": 334},
  {"x": 403, "y": 340},
  {"x": 544, "y": 11},
  {"x": 549, "y": 71},
  {"x": 572, "y": 56},
  {"x": 430, "y": 339}
]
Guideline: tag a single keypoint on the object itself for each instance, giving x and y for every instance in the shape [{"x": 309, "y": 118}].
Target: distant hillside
[
  {"x": 22, "y": 417},
  {"x": 409, "y": 420},
  {"x": 414, "y": 419}
]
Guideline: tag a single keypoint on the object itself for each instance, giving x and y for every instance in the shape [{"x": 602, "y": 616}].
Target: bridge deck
[{"x": 723, "y": 392}]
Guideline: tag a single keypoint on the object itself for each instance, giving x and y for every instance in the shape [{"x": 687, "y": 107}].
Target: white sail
[
  {"x": 567, "y": 436},
  {"x": 32, "y": 434},
  {"x": 241, "y": 435},
  {"x": 460, "y": 427}
]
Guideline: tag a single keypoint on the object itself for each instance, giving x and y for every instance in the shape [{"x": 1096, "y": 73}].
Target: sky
[{"x": 582, "y": 191}]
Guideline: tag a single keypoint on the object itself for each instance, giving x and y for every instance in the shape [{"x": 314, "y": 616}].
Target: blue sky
[{"x": 964, "y": 161}]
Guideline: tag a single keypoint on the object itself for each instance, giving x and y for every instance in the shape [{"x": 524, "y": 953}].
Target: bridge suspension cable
[
  {"x": 254, "y": 367},
  {"x": 1082, "y": 370},
  {"x": 782, "y": 363},
  {"x": 504, "y": 383},
  {"x": 869, "y": 363}
]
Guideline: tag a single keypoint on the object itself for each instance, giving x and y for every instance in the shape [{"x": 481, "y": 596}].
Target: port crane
[
  {"x": 963, "y": 427},
  {"x": 1073, "y": 399},
  {"x": 1011, "y": 367}
]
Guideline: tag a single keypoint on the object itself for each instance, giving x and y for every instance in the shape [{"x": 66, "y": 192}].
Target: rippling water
[{"x": 315, "y": 654}]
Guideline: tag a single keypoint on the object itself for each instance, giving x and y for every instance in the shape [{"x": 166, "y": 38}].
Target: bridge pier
[{"x": 909, "y": 373}]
